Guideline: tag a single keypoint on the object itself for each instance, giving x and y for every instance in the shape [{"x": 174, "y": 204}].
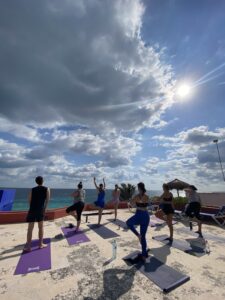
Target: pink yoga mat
[
  {"x": 35, "y": 261},
  {"x": 73, "y": 237}
]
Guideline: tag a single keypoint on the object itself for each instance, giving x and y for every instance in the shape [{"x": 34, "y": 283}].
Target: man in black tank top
[{"x": 38, "y": 200}]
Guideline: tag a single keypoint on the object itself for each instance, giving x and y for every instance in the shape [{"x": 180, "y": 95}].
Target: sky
[{"x": 90, "y": 89}]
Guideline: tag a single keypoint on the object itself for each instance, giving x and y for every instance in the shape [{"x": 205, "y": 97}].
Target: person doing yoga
[
  {"x": 78, "y": 205},
  {"x": 141, "y": 218},
  {"x": 38, "y": 201},
  {"x": 100, "y": 202},
  {"x": 166, "y": 205},
  {"x": 193, "y": 208},
  {"x": 116, "y": 199}
]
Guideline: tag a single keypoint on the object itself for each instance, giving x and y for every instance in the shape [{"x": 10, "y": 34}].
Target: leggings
[
  {"x": 78, "y": 207},
  {"x": 140, "y": 218},
  {"x": 193, "y": 210}
]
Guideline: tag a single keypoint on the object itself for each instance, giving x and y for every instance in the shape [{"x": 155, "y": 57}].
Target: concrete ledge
[{"x": 51, "y": 214}]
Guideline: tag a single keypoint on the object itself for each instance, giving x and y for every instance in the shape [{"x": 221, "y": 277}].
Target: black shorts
[
  {"x": 167, "y": 208},
  {"x": 193, "y": 210},
  {"x": 35, "y": 216},
  {"x": 78, "y": 207}
]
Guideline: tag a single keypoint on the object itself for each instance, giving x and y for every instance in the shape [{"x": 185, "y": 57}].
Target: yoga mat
[
  {"x": 187, "y": 246},
  {"x": 119, "y": 223},
  {"x": 7, "y": 198},
  {"x": 35, "y": 261},
  {"x": 73, "y": 237},
  {"x": 165, "y": 277},
  {"x": 208, "y": 236},
  {"x": 103, "y": 231},
  {"x": 154, "y": 221}
]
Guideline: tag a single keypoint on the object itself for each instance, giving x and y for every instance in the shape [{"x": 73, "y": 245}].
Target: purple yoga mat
[
  {"x": 73, "y": 237},
  {"x": 35, "y": 261}
]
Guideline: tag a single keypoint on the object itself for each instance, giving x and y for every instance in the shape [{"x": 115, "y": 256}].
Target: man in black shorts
[
  {"x": 38, "y": 200},
  {"x": 194, "y": 206}
]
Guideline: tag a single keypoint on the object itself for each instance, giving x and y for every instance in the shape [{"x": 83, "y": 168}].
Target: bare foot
[{"x": 43, "y": 246}]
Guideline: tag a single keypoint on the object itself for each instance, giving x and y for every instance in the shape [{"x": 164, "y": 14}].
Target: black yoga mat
[
  {"x": 103, "y": 231},
  {"x": 162, "y": 275},
  {"x": 188, "y": 246}
]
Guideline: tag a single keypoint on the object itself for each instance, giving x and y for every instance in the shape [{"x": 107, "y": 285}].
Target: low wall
[
  {"x": 56, "y": 213},
  {"x": 51, "y": 214},
  {"x": 212, "y": 199}
]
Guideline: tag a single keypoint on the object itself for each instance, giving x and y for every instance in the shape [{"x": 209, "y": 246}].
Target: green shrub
[
  {"x": 126, "y": 191},
  {"x": 180, "y": 200}
]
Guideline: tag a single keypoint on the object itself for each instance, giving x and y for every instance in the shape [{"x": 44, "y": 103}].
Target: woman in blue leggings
[{"x": 141, "y": 218}]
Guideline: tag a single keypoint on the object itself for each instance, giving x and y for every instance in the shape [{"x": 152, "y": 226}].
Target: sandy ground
[{"x": 78, "y": 272}]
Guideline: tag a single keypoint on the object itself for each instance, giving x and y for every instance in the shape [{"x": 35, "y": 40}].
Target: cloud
[
  {"x": 113, "y": 150},
  {"x": 80, "y": 62},
  {"x": 192, "y": 155},
  {"x": 19, "y": 130}
]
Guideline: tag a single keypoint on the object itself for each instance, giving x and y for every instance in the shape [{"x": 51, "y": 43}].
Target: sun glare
[{"x": 183, "y": 90}]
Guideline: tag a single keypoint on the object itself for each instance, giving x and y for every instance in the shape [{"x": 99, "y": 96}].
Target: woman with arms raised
[{"x": 100, "y": 202}]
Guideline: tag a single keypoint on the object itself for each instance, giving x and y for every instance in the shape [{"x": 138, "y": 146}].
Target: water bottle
[
  {"x": 207, "y": 249},
  {"x": 114, "y": 249}
]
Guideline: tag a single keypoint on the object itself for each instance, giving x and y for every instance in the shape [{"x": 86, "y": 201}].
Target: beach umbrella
[{"x": 178, "y": 185}]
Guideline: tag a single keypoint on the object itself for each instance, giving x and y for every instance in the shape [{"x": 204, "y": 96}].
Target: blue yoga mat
[{"x": 6, "y": 199}]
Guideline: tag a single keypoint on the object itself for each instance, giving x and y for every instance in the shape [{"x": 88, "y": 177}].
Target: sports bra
[
  {"x": 169, "y": 199},
  {"x": 139, "y": 204}
]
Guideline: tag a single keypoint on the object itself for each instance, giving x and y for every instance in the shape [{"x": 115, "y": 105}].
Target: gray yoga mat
[
  {"x": 187, "y": 246},
  {"x": 103, "y": 231},
  {"x": 119, "y": 223},
  {"x": 208, "y": 236},
  {"x": 162, "y": 275}
]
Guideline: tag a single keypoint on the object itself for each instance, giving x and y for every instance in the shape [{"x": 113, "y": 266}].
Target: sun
[{"x": 183, "y": 90}]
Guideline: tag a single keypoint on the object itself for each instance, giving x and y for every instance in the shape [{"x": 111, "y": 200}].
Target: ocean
[{"x": 61, "y": 197}]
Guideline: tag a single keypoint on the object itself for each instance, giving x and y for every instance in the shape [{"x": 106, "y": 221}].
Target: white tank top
[
  {"x": 116, "y": 195},
  {"x": 80, "y": 196}
]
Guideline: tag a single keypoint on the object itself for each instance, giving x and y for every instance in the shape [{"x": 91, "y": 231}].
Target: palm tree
[{"x": 126, "y": 191}]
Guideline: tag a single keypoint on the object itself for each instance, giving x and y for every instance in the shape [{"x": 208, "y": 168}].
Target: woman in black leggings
[
  {"x": 193, "y": 208},
  {"x": 78, "y": 206},
  {"x": 166, "y": 204}
]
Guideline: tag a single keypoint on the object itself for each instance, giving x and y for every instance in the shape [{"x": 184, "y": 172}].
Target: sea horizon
[{"x": 61, "y": 197}]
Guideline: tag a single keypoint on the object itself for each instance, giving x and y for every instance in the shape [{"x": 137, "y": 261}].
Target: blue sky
[{"x": 90, "y": 89}]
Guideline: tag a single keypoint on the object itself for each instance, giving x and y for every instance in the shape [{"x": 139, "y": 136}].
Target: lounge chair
[{"x": 218, "y": 217}]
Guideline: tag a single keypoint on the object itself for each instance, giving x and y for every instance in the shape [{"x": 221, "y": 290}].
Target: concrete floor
[{"x": 79, "y": 272}]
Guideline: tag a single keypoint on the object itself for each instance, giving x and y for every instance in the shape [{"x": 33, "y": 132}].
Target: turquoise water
[{"x": 60, "y": 197}]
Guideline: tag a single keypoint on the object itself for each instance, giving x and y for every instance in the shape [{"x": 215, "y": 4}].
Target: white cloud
[
  {"x": 192, "y": 156},
  {"x": 19, "y": 130}
]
